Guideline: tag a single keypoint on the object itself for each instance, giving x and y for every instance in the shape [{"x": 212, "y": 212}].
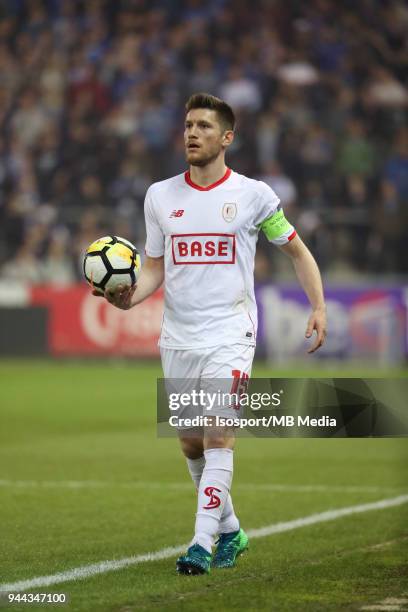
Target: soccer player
[{"x": 202, "y": 227}]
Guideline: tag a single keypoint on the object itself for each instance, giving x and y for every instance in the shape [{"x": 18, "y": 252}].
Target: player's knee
[
  {"x": 219, "y": 442},
  {"x": 192, "y": 447},
  {"x": 219, "y": 437}
]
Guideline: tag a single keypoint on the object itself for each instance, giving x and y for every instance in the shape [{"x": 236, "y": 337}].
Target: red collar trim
[{"x": 200, "y": 188}]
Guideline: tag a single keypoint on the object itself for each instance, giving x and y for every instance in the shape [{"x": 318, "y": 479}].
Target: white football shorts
[{"x": 219, "y": 372}]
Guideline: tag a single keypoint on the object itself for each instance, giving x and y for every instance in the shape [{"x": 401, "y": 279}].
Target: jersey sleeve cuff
[{"x": 151, "y": 253}]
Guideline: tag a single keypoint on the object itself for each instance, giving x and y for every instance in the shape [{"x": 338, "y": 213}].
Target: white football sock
[
  {"x": 213, "y": 492},
  {"x": 229, "y": 520},
  {"x": 196, "y": 467}
]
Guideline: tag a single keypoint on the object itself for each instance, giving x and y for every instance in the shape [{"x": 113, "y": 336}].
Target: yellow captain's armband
[{"x": 277, "y": 225}]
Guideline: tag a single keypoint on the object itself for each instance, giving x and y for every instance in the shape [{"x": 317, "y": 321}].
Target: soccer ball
[{"x": 111, "y": 261}]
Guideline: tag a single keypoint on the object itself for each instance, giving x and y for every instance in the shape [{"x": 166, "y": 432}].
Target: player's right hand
[{"x": 121, "y": 297}]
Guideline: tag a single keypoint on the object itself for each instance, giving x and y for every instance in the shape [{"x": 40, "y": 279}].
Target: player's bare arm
[
  {"x": 150, "y": 279},
  {"x": 309, "y": 277}
]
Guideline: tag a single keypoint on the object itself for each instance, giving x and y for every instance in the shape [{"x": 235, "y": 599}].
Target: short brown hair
[{"x": 223, "y": 110}]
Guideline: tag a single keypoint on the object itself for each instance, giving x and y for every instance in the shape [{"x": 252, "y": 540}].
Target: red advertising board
[{"x": 82, "y": 324}]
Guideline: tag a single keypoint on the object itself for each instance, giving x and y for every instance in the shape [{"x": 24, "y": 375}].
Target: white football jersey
[{"x": 208, "y": 237}]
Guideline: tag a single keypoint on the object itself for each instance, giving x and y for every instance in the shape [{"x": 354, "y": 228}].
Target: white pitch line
[
  {"x": 100, "y": 484},
  {"x": 86, "y": 571},
  {"x": 390, "y": 603}
]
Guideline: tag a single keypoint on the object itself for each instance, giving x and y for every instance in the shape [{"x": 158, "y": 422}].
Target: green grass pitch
[{"x": 84, "y": 478}]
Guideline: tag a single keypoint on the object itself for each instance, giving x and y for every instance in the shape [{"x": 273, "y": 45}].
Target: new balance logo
[
  {"x": 214, "y": 499},
  {"x": 177, "y": 213}
]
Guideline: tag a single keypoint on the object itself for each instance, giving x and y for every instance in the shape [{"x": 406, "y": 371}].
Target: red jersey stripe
[{"x": 200, "y": 188}]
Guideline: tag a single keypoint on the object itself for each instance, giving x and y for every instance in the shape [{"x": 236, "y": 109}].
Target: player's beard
[{"x": 205, "y": 159}]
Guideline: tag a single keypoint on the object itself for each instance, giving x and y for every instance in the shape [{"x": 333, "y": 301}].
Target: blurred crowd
[{"x": 92, "y": 100}]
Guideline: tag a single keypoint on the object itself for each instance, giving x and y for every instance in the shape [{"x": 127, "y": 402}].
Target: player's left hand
[
  {"x": 121, "y": 297},
  {"x": 317, "y": 321}
]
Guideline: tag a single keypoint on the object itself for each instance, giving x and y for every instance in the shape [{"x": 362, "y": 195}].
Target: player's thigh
[
  {"x": 229, "y": 362},
  {"x": 224, "y": 378},
  {"x": 181, "y": 364},
  {"x": 182, "y": 369}
]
